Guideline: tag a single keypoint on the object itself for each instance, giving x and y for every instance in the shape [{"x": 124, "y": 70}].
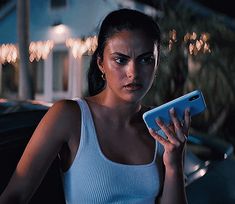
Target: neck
[{"x": 119, "y": 111}]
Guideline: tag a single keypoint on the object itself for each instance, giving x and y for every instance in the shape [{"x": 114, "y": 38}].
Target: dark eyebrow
[
  {"x": 120, "y": 54},
  {"x": 145, "y": 54},
  {"x": 126, "y": 56}
]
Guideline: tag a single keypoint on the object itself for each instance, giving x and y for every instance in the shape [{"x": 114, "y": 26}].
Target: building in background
[{"x": 62, "y": 38}]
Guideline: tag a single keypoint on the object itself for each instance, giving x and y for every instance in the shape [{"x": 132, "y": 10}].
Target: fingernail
[
  {"x": 188, "y": 110},
  {"x": 172, "y": 110}
]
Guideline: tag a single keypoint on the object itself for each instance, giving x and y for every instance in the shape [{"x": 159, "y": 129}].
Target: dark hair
[{"x": 116, "y": 21}]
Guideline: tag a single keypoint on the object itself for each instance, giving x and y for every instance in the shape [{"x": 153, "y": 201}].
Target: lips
[{"x": 133, "y": 86}]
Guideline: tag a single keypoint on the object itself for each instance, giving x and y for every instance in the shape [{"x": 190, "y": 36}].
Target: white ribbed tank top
[{"x": 93, "y": 178}]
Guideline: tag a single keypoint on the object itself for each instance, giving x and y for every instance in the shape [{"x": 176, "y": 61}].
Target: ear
[{"x": 100, "y": 64}]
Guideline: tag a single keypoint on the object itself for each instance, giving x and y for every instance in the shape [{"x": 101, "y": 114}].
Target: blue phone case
[{"x": 193, "y": 100}]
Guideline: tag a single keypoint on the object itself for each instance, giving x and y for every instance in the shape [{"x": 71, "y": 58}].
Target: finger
[
  {"x": 158, "y": 137},
  {"x": 177, "y": 125},
  {"x": 167, "y": 131},
  {"x": 187, "y": 121},
  {"x": 171, "y": 127}
]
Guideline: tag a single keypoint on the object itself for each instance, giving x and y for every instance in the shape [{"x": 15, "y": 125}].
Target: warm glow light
[
  {"x": 8, "y": 53},
  {"x": 197, "y": 45},
  {"x": 79, "y": 47},
  {"x": 60, "y": 29},
  {"x": 40, "y": 50}
]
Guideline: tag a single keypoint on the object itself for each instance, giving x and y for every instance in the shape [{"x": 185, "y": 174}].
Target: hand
[{"x": 174, "y": 145}]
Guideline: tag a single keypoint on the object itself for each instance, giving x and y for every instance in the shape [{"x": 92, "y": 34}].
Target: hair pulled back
[{"x": 114, "y": 22}]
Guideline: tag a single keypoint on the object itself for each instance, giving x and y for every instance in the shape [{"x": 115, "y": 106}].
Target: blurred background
[
  {"x": 46, "y": 46},
  {"x": 198, "y": 41}
]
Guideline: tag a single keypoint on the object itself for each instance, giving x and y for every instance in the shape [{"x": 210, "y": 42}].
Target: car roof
[{"x": 8, "y": 106}]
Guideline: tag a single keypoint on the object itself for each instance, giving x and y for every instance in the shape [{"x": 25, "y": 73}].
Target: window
[
  {"x": 60, "y": 71},
  {"x": 57, "y": 4},
  {"x": 38, "y": 76},
  {"x": 9, "y": 80}
]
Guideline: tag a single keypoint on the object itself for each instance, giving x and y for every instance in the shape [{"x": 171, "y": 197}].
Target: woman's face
[{"x": 129, "y": 63}]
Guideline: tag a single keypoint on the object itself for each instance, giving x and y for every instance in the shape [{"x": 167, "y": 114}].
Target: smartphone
[{"x": 193, "y": 100}]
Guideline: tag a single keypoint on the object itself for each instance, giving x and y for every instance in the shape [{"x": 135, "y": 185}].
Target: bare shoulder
[
  {"x": 64, "y": 116},
  {"x": 66, "y": 104},
  {"x": 65, "y": 108},
  {"x": 65, "y": 111}
]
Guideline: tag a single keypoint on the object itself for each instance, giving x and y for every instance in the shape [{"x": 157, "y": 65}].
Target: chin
[{"x": 134, "y": 98}]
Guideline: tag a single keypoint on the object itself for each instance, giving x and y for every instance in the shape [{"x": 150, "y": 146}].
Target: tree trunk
[{"x": 25, "y": 76}]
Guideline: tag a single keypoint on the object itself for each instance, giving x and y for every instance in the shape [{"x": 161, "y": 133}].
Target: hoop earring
[{"x": 103, "y": 76}]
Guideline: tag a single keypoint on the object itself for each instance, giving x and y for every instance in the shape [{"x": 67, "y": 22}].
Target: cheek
[
  {"x": 118, "y": 75},
  {"x": 114, "y": 72}
]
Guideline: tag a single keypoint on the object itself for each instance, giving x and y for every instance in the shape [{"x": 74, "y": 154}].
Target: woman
[{"x": 107, "y": 153}]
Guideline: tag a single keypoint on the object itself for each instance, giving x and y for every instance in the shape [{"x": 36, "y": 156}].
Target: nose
[{"x": 132, "y": 71}]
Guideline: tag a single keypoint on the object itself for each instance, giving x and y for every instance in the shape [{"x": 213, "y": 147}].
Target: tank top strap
[
  {"x": 84, "y": 109},
  {"x": 87, "y": 120},
  {"x": 88, "y": 135}
]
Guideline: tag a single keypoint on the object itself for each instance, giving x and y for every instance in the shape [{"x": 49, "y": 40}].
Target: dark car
[
  {"x": 8, "y": 106},
  {"x": 18, "y": 120},
  {"x": 210, "y": 167},
  {"x": 209, "y": 163}
]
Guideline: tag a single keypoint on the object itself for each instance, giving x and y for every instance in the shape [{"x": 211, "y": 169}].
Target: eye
[
  {"x": 147, "y": 60},
  {"x": 121, "y": 60}
]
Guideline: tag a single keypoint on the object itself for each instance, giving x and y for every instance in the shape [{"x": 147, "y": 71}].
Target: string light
[
  {"x": 8, "y": 53},
  {"x": 91, "y": 44},
  {"x": 79, "y": 47},
  {"x": 197, "y": 45},
  {"x": 40, "y": 50}
]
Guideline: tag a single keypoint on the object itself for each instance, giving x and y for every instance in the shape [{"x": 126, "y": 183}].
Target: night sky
[{"x": 222, "y": 6}]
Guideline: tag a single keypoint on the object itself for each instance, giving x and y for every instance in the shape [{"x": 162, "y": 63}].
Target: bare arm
[
  {"x": 52, "y": 132},
  {"x": 173, "y": 189},
  {"x": 174, "y": 186}
]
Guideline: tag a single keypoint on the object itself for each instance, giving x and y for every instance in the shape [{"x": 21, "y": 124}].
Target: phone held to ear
[{"x": 193, "y": 100}]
